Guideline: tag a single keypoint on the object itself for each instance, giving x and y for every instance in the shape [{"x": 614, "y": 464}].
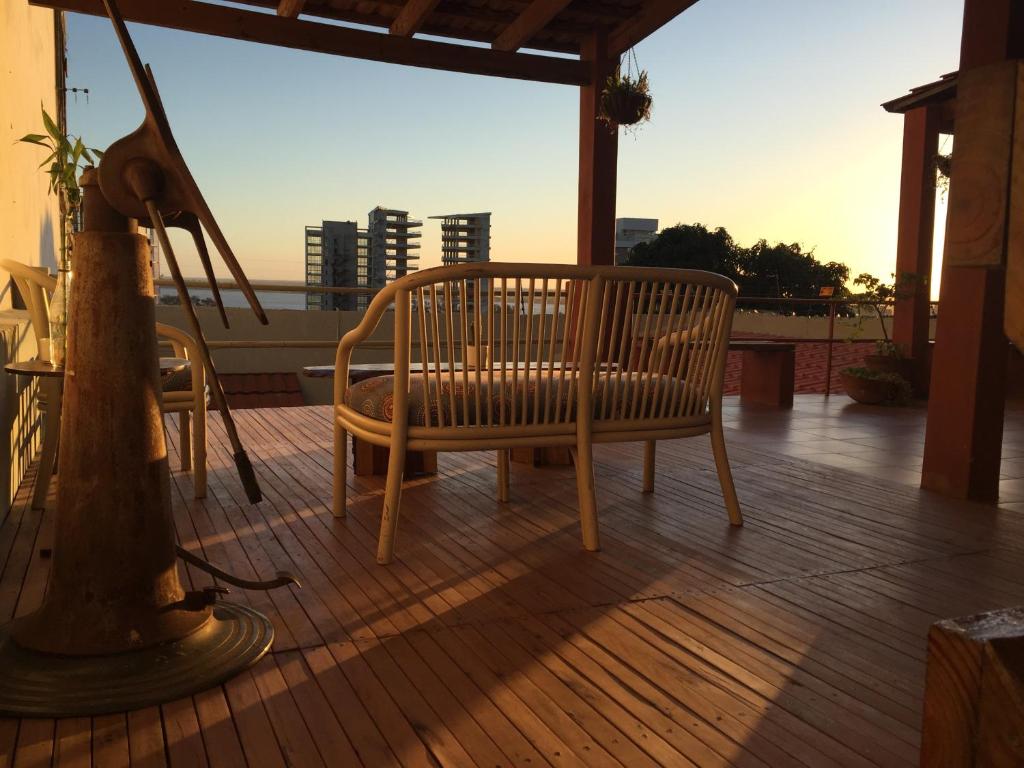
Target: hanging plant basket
[
  {"x": 626, "y": 98},
  {"x": 625, "y": 102}
]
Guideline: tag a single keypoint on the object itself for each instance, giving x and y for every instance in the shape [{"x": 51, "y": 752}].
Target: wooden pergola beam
[
  {"x": 290, "y": 9},
  {"x": 652, "y": 17},
  {"x": 528, "y": 23},
  {"x": 411, "y": 17},
  {"x": 224, "y": 21}
]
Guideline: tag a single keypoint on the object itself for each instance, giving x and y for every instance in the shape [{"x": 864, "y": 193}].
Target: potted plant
[
  {"x": 67, "y": 158},
  {"x": 889, "y": 356},
  {"x": 871, "y": 387},
  {"x": 626, "y": 98}
]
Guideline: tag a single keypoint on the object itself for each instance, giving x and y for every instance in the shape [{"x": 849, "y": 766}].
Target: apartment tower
[{"x": 465, "y": 237}]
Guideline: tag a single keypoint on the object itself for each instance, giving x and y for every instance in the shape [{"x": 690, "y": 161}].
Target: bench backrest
[{"x": 511, "y": 344}]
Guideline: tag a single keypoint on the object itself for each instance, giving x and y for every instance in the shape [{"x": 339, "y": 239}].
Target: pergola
[
  {"x": 982, "y": 291},
  {"x": 598, "y": 31}
]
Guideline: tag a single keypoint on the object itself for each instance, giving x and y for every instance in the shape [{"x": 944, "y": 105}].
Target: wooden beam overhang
[
  {"x": 531, "y": 21},
  {"x": 412, "y": 16},
  {"x": 652, "y": 16},
  {"x": 270, "y": 29},
  {"x": 290, "y": 9}
]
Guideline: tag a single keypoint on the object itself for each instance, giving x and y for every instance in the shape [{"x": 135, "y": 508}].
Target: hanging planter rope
[{"x": 626, "y": 98}]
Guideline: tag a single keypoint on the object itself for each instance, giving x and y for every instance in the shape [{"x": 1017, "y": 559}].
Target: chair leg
[
  {"x": 732, "y": 504},
  {"x": 340, "y": 470},
  {"x": 649, "y": 466},
  {"x": 392, "y": 500},
  {"x": 583, "y": 458},
  {"x": 503, "y": 472},
  {"x": 199, "y": 451},
  {"x": 48, "y": 456},
  {"x": 185, "y": 430}
]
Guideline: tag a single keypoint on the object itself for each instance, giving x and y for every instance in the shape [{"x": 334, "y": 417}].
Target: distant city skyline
[{"x": 761, "y": 124}]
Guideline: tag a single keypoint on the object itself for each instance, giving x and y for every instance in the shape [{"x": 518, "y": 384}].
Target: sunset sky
[{"x": 766, "y": 121}]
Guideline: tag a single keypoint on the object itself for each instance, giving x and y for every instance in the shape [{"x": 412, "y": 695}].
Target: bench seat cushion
[
  {"x": 178, "y": 381},
  {"x": 374, "y": 397}
]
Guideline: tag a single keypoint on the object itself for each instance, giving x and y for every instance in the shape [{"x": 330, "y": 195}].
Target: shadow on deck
[{"x": 495, "y": 640}]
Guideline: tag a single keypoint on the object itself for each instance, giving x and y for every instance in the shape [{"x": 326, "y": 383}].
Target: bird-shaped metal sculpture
[{"x": 144, "y": 176}]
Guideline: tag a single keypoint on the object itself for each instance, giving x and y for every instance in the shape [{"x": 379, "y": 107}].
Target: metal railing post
[{"x": 828, "y": 356}]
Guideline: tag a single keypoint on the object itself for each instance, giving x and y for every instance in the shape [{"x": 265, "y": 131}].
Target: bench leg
[
  {"x": 767, "y": 378},
  {"x": 392, "y": 500},
  {"x": 503, "y": 472},
  {"x": 51, "y": 437},
  {"x": 199, "y": 448},
  {"x": 649, "y": 466},
  {"x": 185, "y": 433},
  {"x": 340, "y": 470},
  {"x": 583, "y": 457},
  {"x": 732, "y": 504}
]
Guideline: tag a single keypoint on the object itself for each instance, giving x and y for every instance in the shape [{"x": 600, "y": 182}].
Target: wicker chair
[
  {"x": 184, "y": 393},
  {"x": 578, "y": 355}
]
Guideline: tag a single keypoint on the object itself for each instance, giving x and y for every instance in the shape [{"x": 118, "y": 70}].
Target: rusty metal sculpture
[{"x": 116, "y": 630}]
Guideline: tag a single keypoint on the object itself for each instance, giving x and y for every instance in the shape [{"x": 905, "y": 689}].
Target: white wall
[{"x": 29, "y": 217}]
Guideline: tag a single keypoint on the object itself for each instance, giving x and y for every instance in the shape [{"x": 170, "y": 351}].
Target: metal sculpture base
[{"x": 43, "y": 685}]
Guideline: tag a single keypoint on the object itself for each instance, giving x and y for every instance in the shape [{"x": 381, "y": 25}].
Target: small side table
[
  {"x": 52, "y": 381},
  {"x": 369, "y": 459}
]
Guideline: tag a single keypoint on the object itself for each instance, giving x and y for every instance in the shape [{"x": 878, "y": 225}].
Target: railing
[{"x": 833, "y": 306}]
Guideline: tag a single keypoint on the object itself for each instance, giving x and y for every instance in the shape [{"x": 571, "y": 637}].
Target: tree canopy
[{"x": 781, "y": 270}]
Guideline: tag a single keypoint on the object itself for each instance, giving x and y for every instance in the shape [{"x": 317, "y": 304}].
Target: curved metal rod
[
  {"x": 149, "y": 178},
  {"x": 283, "y": 578}
]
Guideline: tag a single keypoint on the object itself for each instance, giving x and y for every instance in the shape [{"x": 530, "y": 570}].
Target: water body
[{"x": 232, "y": 298}]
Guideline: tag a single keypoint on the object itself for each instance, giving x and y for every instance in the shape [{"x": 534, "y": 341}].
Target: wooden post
[
  {"x": 974, "y": 692},
  {"x": 598, "y": 156},
  {"x": 965, "y": 412},
  {"x": 915, "y": 237}
]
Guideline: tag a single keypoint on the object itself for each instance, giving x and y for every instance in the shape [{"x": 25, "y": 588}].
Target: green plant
[
  {"x": 901, "y": 391},
  {"x": 876, "y": 293},
  {"x": 65, "y": 161},
  {"x": 888, "y": 349},
  {"x": 626, "y": 99},
  {"x": 943, "y": 171}
]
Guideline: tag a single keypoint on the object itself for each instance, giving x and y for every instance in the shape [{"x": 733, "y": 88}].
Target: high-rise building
[
  {"x": 629, "y": 233},
  {"x": 465, "y": 237},
  {"x": 393, "y": 245},
  {"x": 340, "y": 255},
  {"x": 333, "y": 260}
]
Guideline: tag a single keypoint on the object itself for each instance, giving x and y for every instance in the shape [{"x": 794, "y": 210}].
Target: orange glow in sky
[{"x": 766, "y": 121}]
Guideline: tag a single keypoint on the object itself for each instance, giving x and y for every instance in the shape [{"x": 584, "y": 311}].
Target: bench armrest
[{"x": 371, "y": 319}]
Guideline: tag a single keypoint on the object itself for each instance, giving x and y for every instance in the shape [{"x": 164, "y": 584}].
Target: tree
[
  {"x": 689, "y": 246},
  {"x": 787, "y": 271},
  {"x": 781, "y": 270}
]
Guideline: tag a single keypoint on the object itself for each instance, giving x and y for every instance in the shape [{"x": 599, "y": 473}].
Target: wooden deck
[{"x": 495, "y": 640}]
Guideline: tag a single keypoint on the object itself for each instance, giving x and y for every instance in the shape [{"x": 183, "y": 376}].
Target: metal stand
[{"x": 116, "y": 630}]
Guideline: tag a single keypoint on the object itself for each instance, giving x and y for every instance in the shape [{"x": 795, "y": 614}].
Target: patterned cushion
[
  {"x": 178, "y": 381},
  {"x": 374, "y": 397}
]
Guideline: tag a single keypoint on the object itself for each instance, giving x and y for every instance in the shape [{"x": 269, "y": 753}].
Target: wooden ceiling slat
[
  {"x": 290, "y": 9},
  {"x": 412, "y": 17},
  {"x": 650, "y": 17},
  {"x": 532, "y": 20},
  {"x": 225, "y": 21}
]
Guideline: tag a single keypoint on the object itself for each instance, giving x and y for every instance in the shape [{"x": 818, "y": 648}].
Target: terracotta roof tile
[{"x": 262, "y": 390}]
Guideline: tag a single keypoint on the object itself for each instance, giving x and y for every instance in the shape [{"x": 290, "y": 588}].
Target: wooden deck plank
[
  {"x": 495, "y": 640},
  {"x": 73, "y": 743},
  {"x": 147, "y": 743}
]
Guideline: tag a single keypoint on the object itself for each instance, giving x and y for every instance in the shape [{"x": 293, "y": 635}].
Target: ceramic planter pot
[{"x": 867, "y": 391}]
